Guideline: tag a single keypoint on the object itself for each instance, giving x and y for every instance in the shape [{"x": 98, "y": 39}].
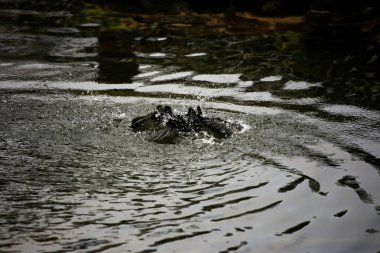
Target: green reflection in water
[{"x": 109, "y": 20}]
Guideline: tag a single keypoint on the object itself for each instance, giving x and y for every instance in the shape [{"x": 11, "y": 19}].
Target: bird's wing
[
  {"x": 166, "y": 134},
  {"x": 142, "y": 120},
  {"x": 218, "y": 126}
]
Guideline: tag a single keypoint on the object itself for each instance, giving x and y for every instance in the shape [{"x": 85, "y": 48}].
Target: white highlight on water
[
  {"x": 218, "y": 78},
  {"x": 173, "y": 76},
  {"x": 144, "y": 66},
  {"x": 156, "y": 38},
  {"x": 195, "y": 54},
  {"x": 301, "y": 85},
  {"x": 256, "y": 96},
  {"x": 157, "y": 55},
  {"x": 146, "y": 74},
  {"x": 271, "y": 78}
]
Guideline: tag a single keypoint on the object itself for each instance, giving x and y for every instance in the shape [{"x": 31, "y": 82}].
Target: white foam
[{"x": 245, "y": 127}]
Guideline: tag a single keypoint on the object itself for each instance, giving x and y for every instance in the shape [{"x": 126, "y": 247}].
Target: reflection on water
[{"x": 303, "y": 176}]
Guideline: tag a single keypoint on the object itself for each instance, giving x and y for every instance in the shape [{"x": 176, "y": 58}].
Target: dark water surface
[{"x": 302, "y": 175}]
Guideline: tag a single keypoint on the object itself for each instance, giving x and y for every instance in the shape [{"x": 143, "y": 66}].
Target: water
[{"x": 302, "y": 176}]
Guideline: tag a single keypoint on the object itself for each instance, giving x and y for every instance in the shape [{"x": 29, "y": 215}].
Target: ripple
[
  {"x": 218, "y": 78},
  {"x": 250, "y": 211},
  {"x": 295, "y": 228},
  {"x": 271, "y": 79},
  {"x": 156, "y": 38},
  {"x": 180, "y": 237},
  {"x": 196, "y": 54},
  {"x": 267, "y": 183},
  {"x": 63, "y": 30},
  {"x": 350, "y": 110},
  {"x": 154, "y": 55},
  {"x": 86, "y": 86},
  {"x": 256, "y": 96},
  {"x": 147, "y": 74},
  {"x": 186, "y": 90},
  {"x": 300, "y": 85},
  {"x": 75, "y": 48},
  {"x": 16, "y": 12},
  {"x": 173, "y": 76}
]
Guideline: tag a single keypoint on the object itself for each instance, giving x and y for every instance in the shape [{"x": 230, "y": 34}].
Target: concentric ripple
[{"x": 84, "y": 181}]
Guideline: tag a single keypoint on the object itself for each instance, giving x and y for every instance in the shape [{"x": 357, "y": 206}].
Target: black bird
[
  {"x": 160, "y": 116},
  {"x": 168, "y": 125}
]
